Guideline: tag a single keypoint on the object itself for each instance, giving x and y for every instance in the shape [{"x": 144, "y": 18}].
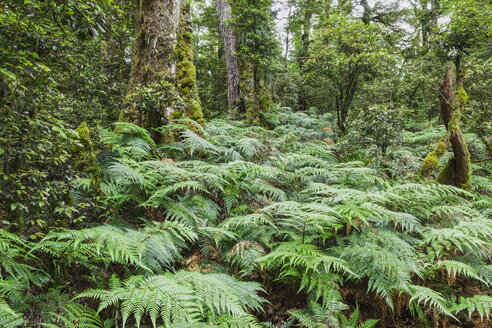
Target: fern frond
[
  {"x": 194, "y": 142},
  {"x": 179, "y": 297},
  {"x": 460, "y": 269},
  {"x": 482, "y": 304},
  {"x": 429, "y": 297},
  {"x": 305, "y": 257},
  {"x": 221, "y": 293},
  {"x": 75, "y": 316},
  {"x": 8, "y": 317},
  {"x": 157, "y": 244}
]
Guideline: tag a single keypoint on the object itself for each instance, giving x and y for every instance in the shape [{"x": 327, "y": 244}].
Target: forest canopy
[{"x": 245, "y": 163}]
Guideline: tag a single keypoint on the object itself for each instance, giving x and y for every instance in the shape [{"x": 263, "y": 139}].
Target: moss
[
  {"x": 265, "y": 100},
  {"x": 187, "y": 89},
  {"x": 468, "y": 171},
  {"x": 432, "y": 159},
  {"x": 195, "y": 112},
  {"x": 183, "y": 49},
  {"x": 454, "y": 123},
  {"x": 185, "y": 68},
  {"x": 83, "y": 137},
  {"x": 461, "y": 98},
  {"x": 187, "y": 83},
  {"x": 446, "y": 175},
  {"x": 85, "y": 159}
]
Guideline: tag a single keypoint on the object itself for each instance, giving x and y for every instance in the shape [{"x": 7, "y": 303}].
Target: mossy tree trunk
[
  {"x": 303, "y": 54},
  {"x": 230, "y": 48},
  {"x": 186, "y": 71},
  {"x": 458, "y": 170},
  {"x": 248, "y": 87},
  {"x": 162, "y": 52}
]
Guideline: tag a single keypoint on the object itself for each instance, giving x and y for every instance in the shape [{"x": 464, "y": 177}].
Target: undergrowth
[{"x": 209, "y": 230}]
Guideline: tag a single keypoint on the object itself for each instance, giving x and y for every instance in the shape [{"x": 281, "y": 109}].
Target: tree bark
[
  {"x": 304, "y": 51},
  {"x": 230, "y": 47},
  {"x": 156, "y": 27},
  {"x": 424, "y": 22},
  {"x": 458, "y": 170},
  {"x": 162, "y": 42},
  {"x": 186, "y": 70},
  {"x": 446, "y": 98},
  {"x": 366, "y": 13}
]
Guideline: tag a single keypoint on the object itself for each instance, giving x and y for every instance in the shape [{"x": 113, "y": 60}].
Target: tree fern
[
  {"x": 385, "y": 259},
  {"x": 429, "y": 297},
  {"x": 312, "y": 268},
  {"x": 459, "y": 269},
  {"x": 175, "y": 298},
  {"x": 482, "y": 304},
  {"x": 157, "y": 244},
  {"x": 156, "y": 296},
  {"x": 75, "y": 316},
  {"x": 8, "y": 317}
]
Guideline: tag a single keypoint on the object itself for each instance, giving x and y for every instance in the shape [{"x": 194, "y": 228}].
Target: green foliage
[
  {"x": 469, "y": 25},
  {"x": 238, "y": 200},
  {"x": 179, "y": 297},
  {"x": 199, "y": 224},
  {"x": 377, "y": 125},
  {"x": 76, "y": 315},
  {"x": 320, "y": 317},
  {"x": 346, "y": 53},
  {"x": 253, "y": 22},
  {"x": 157, "y": 244},
  {"x": 63, "y": 56},
  {"x": 8, "y": 317},
  {"x": 482, "y": 304}
]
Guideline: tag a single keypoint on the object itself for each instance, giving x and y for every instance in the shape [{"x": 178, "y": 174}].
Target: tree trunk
[
  {"x": 458, "y": 170},
  {"x": 186, "y": 71},
  {"x": 345, "y": 6},
  {"x": 155, "y": 57},
  {"x": 435, "y": 12},
  {"x": 304, "y": 51},
  {"x": 366, "y": 14},
  {"x": 429, "y": 19},
  {"x": 230, "y": 46},
  {"x": 459, "y": 71},
  {"x": 424, "y": 22},
  {"x": 446, "y": 98}
]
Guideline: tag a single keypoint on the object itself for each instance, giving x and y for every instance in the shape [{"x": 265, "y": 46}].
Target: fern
[
  {"x": 385, "y": 259},
  {"x": 175, "y": 298},
  {"x": 460, "y": 269},
  {"x": 75, "y": 316},
  {"x": 353, "y": 321},
  {"x": 322, "y": 317},
  {"x": 157, "y": 244},
  {"x": 482, "y": 304},
  {"x": 193, "y": 143},
  {"x": 468, "y": 236},
  {"x": 225, "y": 321},
  {"x": 305, "y": 263},
  {"x": 429, "y": 297},
  {"x": 8, "y": 317}
]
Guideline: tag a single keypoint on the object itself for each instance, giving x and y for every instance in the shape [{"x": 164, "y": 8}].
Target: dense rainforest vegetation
[{"x": 245, "y": 163}]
